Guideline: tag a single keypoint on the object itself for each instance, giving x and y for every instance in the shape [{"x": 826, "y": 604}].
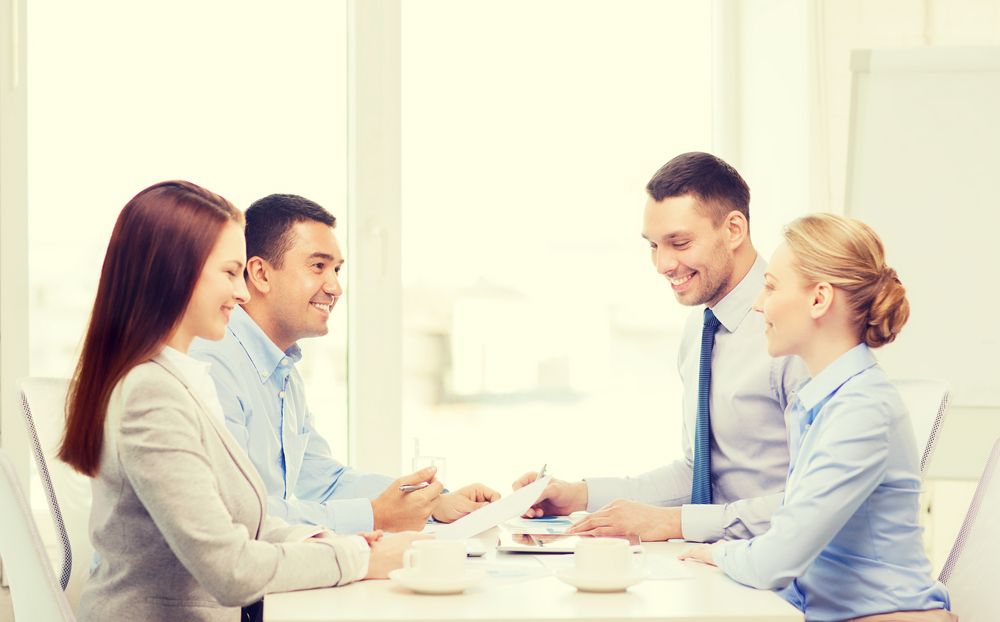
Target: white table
[{"x": 708, "y": 595}]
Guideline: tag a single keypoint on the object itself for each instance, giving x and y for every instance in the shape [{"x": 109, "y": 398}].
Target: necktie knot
[{"x": 711, "y": 322}]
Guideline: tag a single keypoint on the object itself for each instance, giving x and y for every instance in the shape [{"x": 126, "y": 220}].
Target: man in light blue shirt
[
  {"x": 697, "y": 225},
  {"x": 292, "y": 273}
]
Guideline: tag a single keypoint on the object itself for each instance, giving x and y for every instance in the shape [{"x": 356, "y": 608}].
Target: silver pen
[
  {"x": 541, "y": 473},
  {"x": 412, "y": 487}
]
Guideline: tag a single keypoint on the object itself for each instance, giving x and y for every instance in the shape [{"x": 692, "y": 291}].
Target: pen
[
  {"x": 412, "y": 487},
  {"x": 541, "y": 473}
]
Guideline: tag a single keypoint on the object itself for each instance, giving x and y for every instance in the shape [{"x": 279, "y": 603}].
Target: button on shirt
[
  {"x": 264, "y": 401},
  {"x": 846, "y": 543},
  {"x": 748, "y": 401}
]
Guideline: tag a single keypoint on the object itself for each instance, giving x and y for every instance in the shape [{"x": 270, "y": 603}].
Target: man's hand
[
  {"x": 455, "y": 505},
  {"x": 559, "y": 497},
  {"x": 701, "y": 553},
  {"x": 401, "y": 511},
  {"x": 387, "y": 552},
  {"x": 621, "y": 517}
]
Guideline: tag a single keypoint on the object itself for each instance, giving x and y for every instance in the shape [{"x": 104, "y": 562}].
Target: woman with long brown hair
[{"x": 179, "y": 515}]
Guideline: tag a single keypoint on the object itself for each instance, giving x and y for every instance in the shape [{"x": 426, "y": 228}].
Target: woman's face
[
  {"x": 219, "y": 288},
  {"x": 785, "y": 301}
]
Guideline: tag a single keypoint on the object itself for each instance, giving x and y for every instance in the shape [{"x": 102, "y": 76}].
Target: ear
[
  {"x": 258, "y": 274},
  {"x": 822, "y": 300},
  {"x": 737, "y": 228}
]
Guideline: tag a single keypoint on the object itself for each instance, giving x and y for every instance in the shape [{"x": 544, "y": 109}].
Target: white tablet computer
[{"x": 544, "y": 543}]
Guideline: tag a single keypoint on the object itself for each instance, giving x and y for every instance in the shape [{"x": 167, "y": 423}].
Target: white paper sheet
[{"x": 511, "y": 506}]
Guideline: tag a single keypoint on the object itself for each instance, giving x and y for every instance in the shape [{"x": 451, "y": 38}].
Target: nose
[
  {"x": 332, "y": 285},
  {"x": 664, "y": 261},
  {"x": 241, "y": 292}
]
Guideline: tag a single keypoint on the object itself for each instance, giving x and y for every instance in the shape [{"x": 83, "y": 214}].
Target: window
[
  {"x": 535, "y": 329},
  {"x": 123, "y": 95}
]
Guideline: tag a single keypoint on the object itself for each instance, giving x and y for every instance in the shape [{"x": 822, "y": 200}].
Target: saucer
[
  {"x": 591, "y": 583},
  {"x": 424, "y": 583}
]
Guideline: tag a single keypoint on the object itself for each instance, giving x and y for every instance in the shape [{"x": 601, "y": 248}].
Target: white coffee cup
[
  {"x": 439, "y": 558},
  {"x": 606, "y": 557}
]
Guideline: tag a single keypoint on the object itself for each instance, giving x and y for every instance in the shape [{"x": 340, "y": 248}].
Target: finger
[
  {"x": 524, "y": 480},
  {"x": 597, "y": 519},
  {"x": 487, "y": 494},
  {"x": 423, "y": 475},
  {"x": 429, "y": 494}
]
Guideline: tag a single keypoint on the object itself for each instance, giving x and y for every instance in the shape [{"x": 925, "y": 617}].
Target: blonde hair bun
[{"x": 849, "y": 255}]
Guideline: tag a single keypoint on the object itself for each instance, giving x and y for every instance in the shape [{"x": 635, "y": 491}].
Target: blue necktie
[{"x": 701, "y": 482}]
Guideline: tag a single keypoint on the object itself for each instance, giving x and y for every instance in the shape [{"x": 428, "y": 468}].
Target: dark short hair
[
  {"x": 716, "y": 184},
  {"x": 270, "y": 221}
]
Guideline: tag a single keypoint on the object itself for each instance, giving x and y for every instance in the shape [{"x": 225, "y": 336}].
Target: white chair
[
  {"x": 34, "y": 591},
  {"x": 927, "y": 402},
  {"x": 974, "y": 563},
  {"x": 67, "y": 492}
]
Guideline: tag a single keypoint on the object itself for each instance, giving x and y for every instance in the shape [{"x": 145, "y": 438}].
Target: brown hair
[
  {"x": 158, "y": 248},
  {"x": 848, "y": 254},
  {"x": 716, "y": 184}
]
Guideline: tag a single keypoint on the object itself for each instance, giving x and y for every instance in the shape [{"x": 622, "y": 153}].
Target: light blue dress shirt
[
  {"x": 264, "y": 401},
  {"x": 749, "y": 402},
  {"x": 846, "y": 542}
]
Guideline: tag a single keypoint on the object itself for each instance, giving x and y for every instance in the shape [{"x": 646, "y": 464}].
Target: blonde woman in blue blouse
[{"x": 846, "y": 543}]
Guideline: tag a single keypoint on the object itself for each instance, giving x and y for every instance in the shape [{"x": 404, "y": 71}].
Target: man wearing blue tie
[{"x": 730, "y": 480}]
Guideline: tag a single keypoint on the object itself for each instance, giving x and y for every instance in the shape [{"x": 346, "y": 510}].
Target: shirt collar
[
  {"x": 738, "y": 303},
  {"x": 187, "y": 365},
  {"x": 846, "y": 366},
  {"x": 264, "y": 355}
]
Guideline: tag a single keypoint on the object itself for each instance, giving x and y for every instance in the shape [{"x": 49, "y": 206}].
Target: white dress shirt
[{"x": 749, "y": 399}]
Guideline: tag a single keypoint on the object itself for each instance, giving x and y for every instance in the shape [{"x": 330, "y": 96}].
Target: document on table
[
  {"x": 513, "y": 505},
  {"x": 547, "y": 525}
]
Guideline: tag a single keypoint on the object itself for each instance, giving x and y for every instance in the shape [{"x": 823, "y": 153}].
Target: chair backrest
[
  {"x": 974, "y": 562},
  {"x": 68, "y": 493},
  {"x": 927, "y": 401},
  {"x": 34, "y": 591}
]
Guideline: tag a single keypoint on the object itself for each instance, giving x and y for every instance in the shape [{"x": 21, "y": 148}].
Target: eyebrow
[
  {"x": 768, "y": 274},
  {"x": 325, "y": 257},
  {"x": 670, "y": 236}
]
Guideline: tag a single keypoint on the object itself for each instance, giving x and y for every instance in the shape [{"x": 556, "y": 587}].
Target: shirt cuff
[
  {"x": 353, "y": 555},
  {"x": 351, "y": 516},
  {"x": 602, "y": 491},
  {"x": 719, "y": 554},
  {"x": 702, "y": 522}
]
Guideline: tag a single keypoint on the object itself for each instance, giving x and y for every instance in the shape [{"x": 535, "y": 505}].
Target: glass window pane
[
  {"x": 535, "y": 329},
  {"x": 244, "y": 98}
]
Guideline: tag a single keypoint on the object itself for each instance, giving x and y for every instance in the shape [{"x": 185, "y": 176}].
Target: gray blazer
[{"x": 179, "y": 517}]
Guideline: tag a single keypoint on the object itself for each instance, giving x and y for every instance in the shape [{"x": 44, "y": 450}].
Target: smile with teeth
[
  {"x": 680, "y": 280},
  {"x": 326, "y": 307}
]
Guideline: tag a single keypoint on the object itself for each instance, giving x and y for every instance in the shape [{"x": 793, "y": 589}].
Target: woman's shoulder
[
  {"x": 872, "y": 392},
  {"x": 153, "y": 382}
]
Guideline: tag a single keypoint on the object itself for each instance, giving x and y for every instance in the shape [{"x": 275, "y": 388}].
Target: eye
[
  {"x": 652, "y": 245},
  {"x": 337, "y": 269},
  {"x": 319, "y": 266},
  {"x": 231, "y": 273},
  {"x": 681, "y": 245},
  {"x": 769, "y": 286}
]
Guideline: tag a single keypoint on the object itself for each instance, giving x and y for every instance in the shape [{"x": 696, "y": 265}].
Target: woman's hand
[
  {"x": 701, "y": 553},
  {"x": 387, "y": 551}
]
